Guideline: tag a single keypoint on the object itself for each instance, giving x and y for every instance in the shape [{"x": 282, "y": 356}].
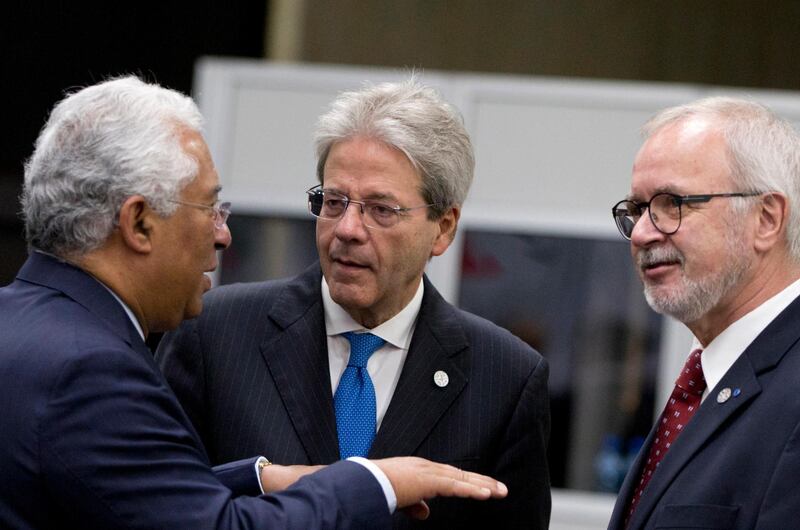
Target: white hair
[
  {"x": 413, "y": 119},
  {"x": 101, "y": 145},
  {"x": 763, "y": 150}
]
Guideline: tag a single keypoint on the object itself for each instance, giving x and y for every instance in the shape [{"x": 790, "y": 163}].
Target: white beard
[{"x": 692, "y": 298}]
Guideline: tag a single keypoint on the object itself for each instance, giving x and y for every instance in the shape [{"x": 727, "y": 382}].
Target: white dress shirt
[
  {"x": 722, "y": 352},
  {"x": 386, "y": 364}
]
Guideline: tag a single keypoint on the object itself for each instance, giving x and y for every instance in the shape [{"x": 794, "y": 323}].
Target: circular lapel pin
[
  {"x": 724, "y": 395},
  {"x": 441, "y": 379}
]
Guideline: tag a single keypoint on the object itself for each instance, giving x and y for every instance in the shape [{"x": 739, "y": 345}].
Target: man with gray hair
[
  {"x": 719, "y": 249},
  {"x": 123, "y": 220},
  {"x": 359, "y": 354}
]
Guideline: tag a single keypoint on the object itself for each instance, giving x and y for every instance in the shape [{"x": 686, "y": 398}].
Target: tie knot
[
  {"x": 362, "y": 345},
  {"x": 691, "y": 378}
]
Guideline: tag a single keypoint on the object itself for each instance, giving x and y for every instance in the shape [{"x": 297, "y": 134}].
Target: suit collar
[
  {"x": 48, "y": 271},
  {"x": 297, "y": 358},
  {"x": 297, "y": 297},
  {"x": 763, "y": 355}
]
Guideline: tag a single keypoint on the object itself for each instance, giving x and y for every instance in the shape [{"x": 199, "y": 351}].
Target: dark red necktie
[{"x": 680, "y": 408}]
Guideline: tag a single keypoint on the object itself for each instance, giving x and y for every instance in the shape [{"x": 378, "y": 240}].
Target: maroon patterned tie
[{"x": 680, "y": 408}]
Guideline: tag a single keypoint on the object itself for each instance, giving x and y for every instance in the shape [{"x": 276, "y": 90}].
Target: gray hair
[
  {"x": 413, "y": 119},
  {"x": 101, "y": 145},
  {"x": 763, "y": 150}
]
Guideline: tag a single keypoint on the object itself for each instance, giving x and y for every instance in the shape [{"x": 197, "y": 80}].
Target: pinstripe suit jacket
[{"x": 252, "y": 373}]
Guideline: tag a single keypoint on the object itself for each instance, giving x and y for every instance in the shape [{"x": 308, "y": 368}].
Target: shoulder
[
  {"x": 484, "y": 335},
  {"x": 488, "y": 343},
  {"x": 260, "y": 296}
]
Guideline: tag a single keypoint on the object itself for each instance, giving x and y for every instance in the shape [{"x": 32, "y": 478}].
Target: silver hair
[
  {"x": 414, "y": 119},
  {"x": 763, "y": 150},
  {"x": 101, "y": 145}
]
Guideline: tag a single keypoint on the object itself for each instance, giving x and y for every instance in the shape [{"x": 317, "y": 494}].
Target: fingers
[{"x": 415, "y": 479}]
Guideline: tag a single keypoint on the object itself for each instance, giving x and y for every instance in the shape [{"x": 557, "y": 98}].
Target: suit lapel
[
  {"x": 763, "y": 354},
  {"x": 418, "y": 403},
  {"x": 297, "y": 358},
  {"x": 708, "y": 419}
]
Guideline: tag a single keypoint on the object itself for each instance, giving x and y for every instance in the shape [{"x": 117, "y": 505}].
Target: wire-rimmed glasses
[
  {"x": 332, "y": 205},
  {"x": 220, "y": 210}
]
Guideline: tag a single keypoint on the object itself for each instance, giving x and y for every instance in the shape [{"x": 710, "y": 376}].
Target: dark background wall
[{"x": 48, "y": 47}]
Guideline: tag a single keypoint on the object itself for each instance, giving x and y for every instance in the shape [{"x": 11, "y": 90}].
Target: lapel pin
[
  {"x": 736, "y": 392},
  {"x": 724, "y": 395},
  {"x": 441, "y": 379}
]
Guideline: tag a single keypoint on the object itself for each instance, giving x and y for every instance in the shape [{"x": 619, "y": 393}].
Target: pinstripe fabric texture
[{"x": 252, "y": 373}]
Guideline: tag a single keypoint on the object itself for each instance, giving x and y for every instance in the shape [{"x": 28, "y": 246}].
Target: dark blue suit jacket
[
  {"x": 737, "y": 463},
  {"x": 252, "y": 373},
  {"x": 91, "y": 436}
]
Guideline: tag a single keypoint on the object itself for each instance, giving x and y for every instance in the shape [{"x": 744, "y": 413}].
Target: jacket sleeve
[{"x": 116, "y": 453}]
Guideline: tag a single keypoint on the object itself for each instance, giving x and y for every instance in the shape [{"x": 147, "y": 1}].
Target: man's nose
[
  {"x": 351, "y": 223},
  {"x": 223, "y": 237},
  {"x": 645, "y": 232}
]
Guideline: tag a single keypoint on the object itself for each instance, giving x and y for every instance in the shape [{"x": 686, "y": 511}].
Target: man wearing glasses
[
  {"x": 359, "y": 354},
  {"x": 712, "y": 218},
  {"x": 123, "y": 220}
]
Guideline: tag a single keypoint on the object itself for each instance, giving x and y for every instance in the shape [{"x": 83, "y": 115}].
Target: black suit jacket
[
  {"x": 92, "y": 437},
  {"x": 252, "y": 373},
  {"x": 737, "y": 463}
]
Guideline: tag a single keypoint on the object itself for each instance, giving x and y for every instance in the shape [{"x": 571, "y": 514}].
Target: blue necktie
[{"x": 354, "y": 399}]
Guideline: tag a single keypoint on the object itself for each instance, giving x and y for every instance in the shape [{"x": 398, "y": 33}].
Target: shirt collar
[
  {"x": 722, "y": 352},
  {"x": 126, "y": 308},
  {"x": 396, "y": 331}
]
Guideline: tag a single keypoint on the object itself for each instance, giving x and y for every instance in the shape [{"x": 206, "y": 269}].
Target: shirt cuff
[
  {"x": 383, "y": 480},
  {"x": 260, "y": 463}
]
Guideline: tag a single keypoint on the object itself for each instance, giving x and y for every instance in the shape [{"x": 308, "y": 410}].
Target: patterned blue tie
[{"x": 354, "y": 399}]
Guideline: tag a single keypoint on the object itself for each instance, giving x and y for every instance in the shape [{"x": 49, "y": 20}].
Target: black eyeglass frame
[
  {"x": 679, "y": 201},
  {"x": 317, "y": 191}
]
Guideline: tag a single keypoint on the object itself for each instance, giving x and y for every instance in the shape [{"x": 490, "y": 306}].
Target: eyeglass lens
[
  {"x": 664, "y": 210},
  {"x": 331, "y": 205}
]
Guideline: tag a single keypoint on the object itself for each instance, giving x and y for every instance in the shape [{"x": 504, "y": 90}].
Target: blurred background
[{"x": 529, "y": 282}]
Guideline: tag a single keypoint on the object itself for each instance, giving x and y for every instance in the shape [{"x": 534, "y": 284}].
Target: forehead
[
  {"x": 685, "y": 157},
  {"x": 206, "y": 183},
  {"x": 367, "y": 167}
]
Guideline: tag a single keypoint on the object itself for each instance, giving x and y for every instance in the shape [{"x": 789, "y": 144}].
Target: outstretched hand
[{"x": 416, "y": 479}]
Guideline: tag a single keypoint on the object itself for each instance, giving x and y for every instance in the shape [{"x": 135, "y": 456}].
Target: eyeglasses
[
  {"x": 327, "y": 204},
  {"x": 664, "y": 209},
  {"x": 220, "y": 211}
]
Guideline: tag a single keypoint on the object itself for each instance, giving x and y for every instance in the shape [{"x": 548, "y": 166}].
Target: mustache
[{"x": 652, "y": 256}]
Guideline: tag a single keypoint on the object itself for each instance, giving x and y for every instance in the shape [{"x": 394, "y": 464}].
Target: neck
[
  {"x": 105, "y": 266},
  {"x": 755, "y": 289}
]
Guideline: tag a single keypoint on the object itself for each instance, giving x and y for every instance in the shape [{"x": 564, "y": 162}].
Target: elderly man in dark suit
[
  {"x": 122, "y": 216},
  {"x": 712, "y": 218},
  {"x": 286, "y": 368}
]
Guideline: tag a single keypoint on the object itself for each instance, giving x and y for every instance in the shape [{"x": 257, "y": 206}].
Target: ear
[
  {"x": 773, "y": 214},
  {"x": 136, "y": 224},
  {"x": 447, "y": 230}
]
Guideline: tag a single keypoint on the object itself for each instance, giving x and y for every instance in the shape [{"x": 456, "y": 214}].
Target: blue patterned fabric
[{"x": 354, "y": 400}]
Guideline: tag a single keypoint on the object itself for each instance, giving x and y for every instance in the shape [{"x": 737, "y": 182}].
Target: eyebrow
[
  {"x": 662, "y": 189},
  {"x": 371, "y": 197}
]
